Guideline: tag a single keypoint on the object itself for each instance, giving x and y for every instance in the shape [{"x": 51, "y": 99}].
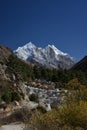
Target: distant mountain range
[{"x": 49, "y": 56}]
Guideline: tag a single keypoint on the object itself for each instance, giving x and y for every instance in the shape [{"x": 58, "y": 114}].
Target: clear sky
[{"x": 59, "y": 22}]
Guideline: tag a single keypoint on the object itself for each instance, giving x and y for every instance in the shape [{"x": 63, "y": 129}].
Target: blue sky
[{"x": 59, "y": 22}]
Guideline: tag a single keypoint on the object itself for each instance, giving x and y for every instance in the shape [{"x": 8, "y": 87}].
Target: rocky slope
[
  {"x": 10, "y": 80},
  {"x": 81, "y": 65}
]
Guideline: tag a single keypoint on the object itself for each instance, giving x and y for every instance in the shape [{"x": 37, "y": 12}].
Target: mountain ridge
[
  {"x": 49, "y": 56},
  {"x": 81, "y": 65}
]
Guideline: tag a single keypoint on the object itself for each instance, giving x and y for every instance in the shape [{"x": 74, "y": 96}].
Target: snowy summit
[{"x": 49, "y": 56}]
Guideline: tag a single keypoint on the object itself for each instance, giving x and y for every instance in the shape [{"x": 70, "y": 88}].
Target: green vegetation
[
  {"x": 28, "y": 72},
  {"x": 34, "y": 97},
  {"x": 71, "y": 115},
  {"x": 9, "y": 96},
  {"x": 24, "y": 70},
  {"x": 15, "y": 96}
]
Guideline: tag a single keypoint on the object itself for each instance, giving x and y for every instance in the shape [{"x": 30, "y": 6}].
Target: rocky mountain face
[
  {"x": 5, "y": 52},
  {"x": 4, "y": 56},
  {"x": 10, "y": 81},
  {"x": 49, "y": 56}
]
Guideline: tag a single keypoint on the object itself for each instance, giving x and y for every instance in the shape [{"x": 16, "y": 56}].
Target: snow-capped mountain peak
[
  {"x": 49, "y": 56},
  {"x": 25, "y": 51},
  {"x": 57, "y": 51},
  {"x": 30, "y": 45}
]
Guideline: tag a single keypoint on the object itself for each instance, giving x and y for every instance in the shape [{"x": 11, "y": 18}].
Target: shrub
[
  {"x": 74, "y": 114},
  {"x": 68, "y": 117},
  {"x": 15, "y": 96},
  {"x": 33, "y": 97},
  {"x": 7, "y": 97},
  {"x": 74, "y": 84},
  {"x": 10, "y": 96}
]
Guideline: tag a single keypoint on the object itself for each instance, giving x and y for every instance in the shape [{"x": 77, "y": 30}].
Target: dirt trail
[{"x": 12, "y": 127}]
